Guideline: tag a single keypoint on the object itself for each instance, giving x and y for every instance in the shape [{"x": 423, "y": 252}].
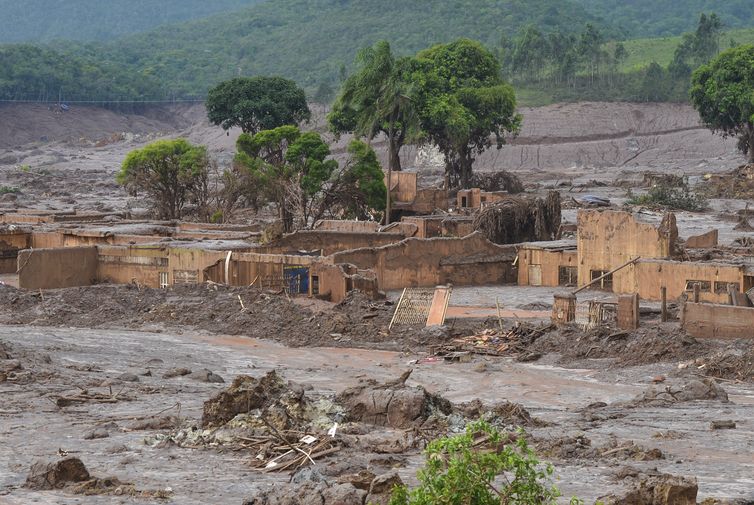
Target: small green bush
[
  {"x": 481, "y": 466},
  {"x": 676, "y": 198},
  {"x": 8, "y": 189}
]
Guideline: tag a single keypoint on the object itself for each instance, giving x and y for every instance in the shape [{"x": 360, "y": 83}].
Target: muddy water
[{"x": 32, "y": 427}]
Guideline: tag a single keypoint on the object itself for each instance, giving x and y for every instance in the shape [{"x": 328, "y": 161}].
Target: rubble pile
[
  {"x": 496, "y": 342},
  {"x": 270, "y": 418}
]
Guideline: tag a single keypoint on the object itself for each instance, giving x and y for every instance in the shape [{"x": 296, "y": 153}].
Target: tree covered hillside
[
  {"x": 45, "y": 20},
  {"x": 654, "y": 18},
  {"x": 309, "y": 40}
]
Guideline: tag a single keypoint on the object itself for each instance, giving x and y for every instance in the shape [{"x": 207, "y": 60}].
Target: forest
[
  {"x": 85, "y": 20},
  {"x": 551, "y": 50}
]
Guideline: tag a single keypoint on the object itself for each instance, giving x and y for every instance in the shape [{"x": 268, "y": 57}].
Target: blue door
[{"x": 296, "y": 279}]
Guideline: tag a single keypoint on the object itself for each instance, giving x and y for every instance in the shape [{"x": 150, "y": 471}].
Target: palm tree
[{"x": 376, "y": 99}]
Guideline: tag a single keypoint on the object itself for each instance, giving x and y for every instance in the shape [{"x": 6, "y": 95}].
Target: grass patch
[{"x": 8, "y": 189}]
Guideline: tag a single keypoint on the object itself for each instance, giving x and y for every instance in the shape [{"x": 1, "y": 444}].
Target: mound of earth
[
  {"x": 356, "y": 322},
  {"x": 648, "y": 344},
  {"x": 656, "y": 489},
  {"x": 392, "y": 404},
  {"x": 682, "y": 390}
]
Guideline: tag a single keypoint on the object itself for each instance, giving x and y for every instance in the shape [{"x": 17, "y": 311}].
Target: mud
[{"x": 356, "y": 322}]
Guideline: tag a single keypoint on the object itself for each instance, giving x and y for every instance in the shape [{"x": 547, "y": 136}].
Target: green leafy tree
[
  {"x": 698, "y": 47},
  {"x": 257, "y": 103},
  {"x": 463, "y": 102},
  {"x": 171, "y": 172},
  {"x": 723, "y": 93},
  {"x": 376, "y": 99},
  {"x": 482, "y": 467},
  {"x": 359, "y": 189},
  {"x": 289, "y": 167}
]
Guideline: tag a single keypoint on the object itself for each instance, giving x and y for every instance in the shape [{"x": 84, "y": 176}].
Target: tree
[
  {"x": 465, "y": 468},
  {"x": 257, "y": 103},
  {"x": 171, "y": 172},
  {"x": 723, "y": 94},
  {"x": 376, "y": 99},
  {"x": 359, "y": 189},
  {"x": 463, "y": 101},
  {"x": 290, "y": 168},
  {"x": 698, "y": 47}
]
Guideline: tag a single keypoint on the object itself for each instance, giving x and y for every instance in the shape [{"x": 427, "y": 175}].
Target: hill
[
  {"x": 653, "y": 18},
  {"x": 309, "y": 40},
  {"x": 46, "y": 20},
  {"x": 642, "y": 52}
]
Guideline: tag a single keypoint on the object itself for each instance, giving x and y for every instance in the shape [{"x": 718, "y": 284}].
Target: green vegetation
[
  {"x": 723, "y": 93},
  {"x": 670, "y": 197},
  {"x": 171, "y": 172},
  {"x": 309, "y": 40},
  {"x": 257, "y": 103},
  {"x": 551, "y": 49},
  {"x": 650, "y": 18},
  {"x": 481, "y": 466},
  {"x": 36, "y": 73},
  {"x": 377, "y": 98},
  {"x": 47, "y": 20},
  {"x": 4, "y": 190},
  {"x": 293, "y": 171},
  {"x": 462, "y": 102},
  {"x": 567, "y": 67}
]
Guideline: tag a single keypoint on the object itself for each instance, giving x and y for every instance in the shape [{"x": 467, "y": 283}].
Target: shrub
[
  {"x": 481, "y": 466},
  {"x": 675, "y": 198}
]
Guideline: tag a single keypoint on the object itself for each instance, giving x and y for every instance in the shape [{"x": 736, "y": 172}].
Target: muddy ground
[
  {"x": 590, "y": 402},
  {"x": 601, "y": 405}
]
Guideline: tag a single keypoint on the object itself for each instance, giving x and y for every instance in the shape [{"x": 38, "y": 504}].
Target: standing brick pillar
[
  {"x": 628, "y": 312},
  {"x": 564, "y": 308}
]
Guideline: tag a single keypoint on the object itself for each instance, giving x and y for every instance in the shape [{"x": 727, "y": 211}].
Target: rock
[
  {"x": 684, "y": 391},
  {"x": 96, "y": 433},
  {"x": 528, "y": 357},
  {"x": 244, "y": 395},
  {"x": 307, "y": 474},
  {"x": 176, "y": 372},
  {"x": 480, "y": 367},
  {"x": 658, "y": 378},
  {"x": 722, "y": 425},
  {"x": 657, "y": 489},
  {"x": 343, "y": 494},
  {"x": 10, "y": 365},
  {"x": 382, "y": 488},
  {"x": 128, "y": 377},
  {"x": 310, "y": 493},
  {"x": 155, "y": 423},
  {"x": 391, "y": 404},
  {"x": 207, "y": 376},
  {"x": 360, "y": 480},
  {"x": 117, "y": 449},
  {"x": 436, "y": 333},
  {"x": 45, "y": 476}
]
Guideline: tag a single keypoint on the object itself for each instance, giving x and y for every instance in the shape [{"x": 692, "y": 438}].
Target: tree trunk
[
  {"x": 395, "y": 154},
  {"x": 465, "y": 164},
  {"x": 391, "y": 156},
  {"x": 750, "y": 132}
]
